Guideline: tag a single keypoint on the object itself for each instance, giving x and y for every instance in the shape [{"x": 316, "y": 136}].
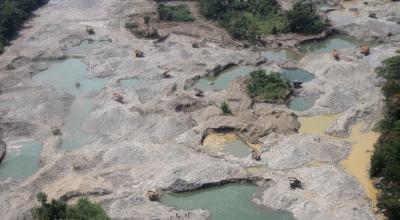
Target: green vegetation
[
  {"x": 13, "y": 13},
  {"x": 251, "y": 19},
  {"x": 58, "y": 209},
  {"x": 385, "y": 161},
  {"x": 174, "y": 13},
  {"x": 268, "y": 87},
  {"x": 226, "y": 110}
]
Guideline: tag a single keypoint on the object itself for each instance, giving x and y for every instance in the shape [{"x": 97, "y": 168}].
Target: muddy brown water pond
[
  {"x": 228, "y": 202},
  {"x": 358, "y": 161}
]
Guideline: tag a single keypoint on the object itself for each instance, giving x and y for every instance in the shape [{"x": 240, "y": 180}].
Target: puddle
[
  {"x": 358, "y": 161},
  {"x": 21, "y": 160},
  {"x": 131, "y": 83},
  {"x": 223, "y": 79},
  {"x": 232, "y": 201},
  {"x": 302, "y": 103},
  {"x": 228, "y": 143},
  {"x": 62, "y": 76},
  {"x": 336, "y": 42}
]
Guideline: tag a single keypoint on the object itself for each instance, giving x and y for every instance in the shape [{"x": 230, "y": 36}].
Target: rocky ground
[{"x": 154, "y": 139}]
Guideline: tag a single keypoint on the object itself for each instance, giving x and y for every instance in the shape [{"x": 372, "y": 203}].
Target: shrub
[
  {"x": 226, "y": 110},
  {"x": 58, "y": 209},
  {"x": 174, "y": 13},
  {"x": 268, "y": 87},
  {"x": 13, "y": 13},
  {"x": 131, "y": 25}
]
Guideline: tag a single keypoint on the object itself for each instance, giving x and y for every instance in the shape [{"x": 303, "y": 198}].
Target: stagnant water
[
  {"x": 281, "y": 56},
  {"x": 297, "y": 74},
  {"x": 358, "y": 161},
  {"x": 335, "y": 42},
  {"x": 228, "y": 143},
  {"x": 229, "y": 202},
  {"x": 223, "y": 79},
  {"x": 302, "y": 103},
  {"x": 21, "y": 160},
  {"x": 62, "y": 76}
]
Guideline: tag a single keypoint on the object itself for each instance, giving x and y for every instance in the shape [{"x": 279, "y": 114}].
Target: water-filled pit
[
  {"x": 228, "y": 143},
  {"x": 297, "y": 74},
  {"x": 335, "y": 42},
  {"x": 21, "y": 160},
  {"x": 358, "y": 161},
  {"x": 63, "y": 76},
  {"x": 232, "y": 201},
  {"x": 222, "y": 80}
]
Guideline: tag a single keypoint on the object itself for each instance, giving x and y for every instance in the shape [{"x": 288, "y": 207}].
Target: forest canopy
[
  {"x": 385, "y": 162},
  {"x": 13, "y": 13},
  {"x": 251, "y": 19}
]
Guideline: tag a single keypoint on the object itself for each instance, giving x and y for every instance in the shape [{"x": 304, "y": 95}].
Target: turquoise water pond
[
  {"x": 302, "y": 103},
  {"x": 223, "y": 79},
  {"x": 332, "y": 43},
  {"x": 62, "y": 76},
  {"x": 229, "y": 202},
  {"x": 21, "y": 160}
]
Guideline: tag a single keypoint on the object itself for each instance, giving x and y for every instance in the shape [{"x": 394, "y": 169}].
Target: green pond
[
  {"x": 21, "y": 160},
  {"x": 62, "y": 76},
  {"x": 223, "y": 79},
  {"x": 332, "y": 43},
  {"x": 229, "y": 202},
  {"x": 131, "y": 83}
]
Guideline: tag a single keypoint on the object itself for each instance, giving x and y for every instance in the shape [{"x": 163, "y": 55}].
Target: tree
[
  {"x": 303, "y": 18},
  {"x": 226, "y": 110},
  {"x": 268, "y": 87},
  {"x": 59, "y": 210},
  {"x": 385, "y": 161}
]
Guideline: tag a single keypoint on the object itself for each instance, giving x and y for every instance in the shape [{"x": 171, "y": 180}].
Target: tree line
[
  {"x": 251, "y": 19},
  {"x": 385, "y": 162},
  {"x": 13, "y": 13}
]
